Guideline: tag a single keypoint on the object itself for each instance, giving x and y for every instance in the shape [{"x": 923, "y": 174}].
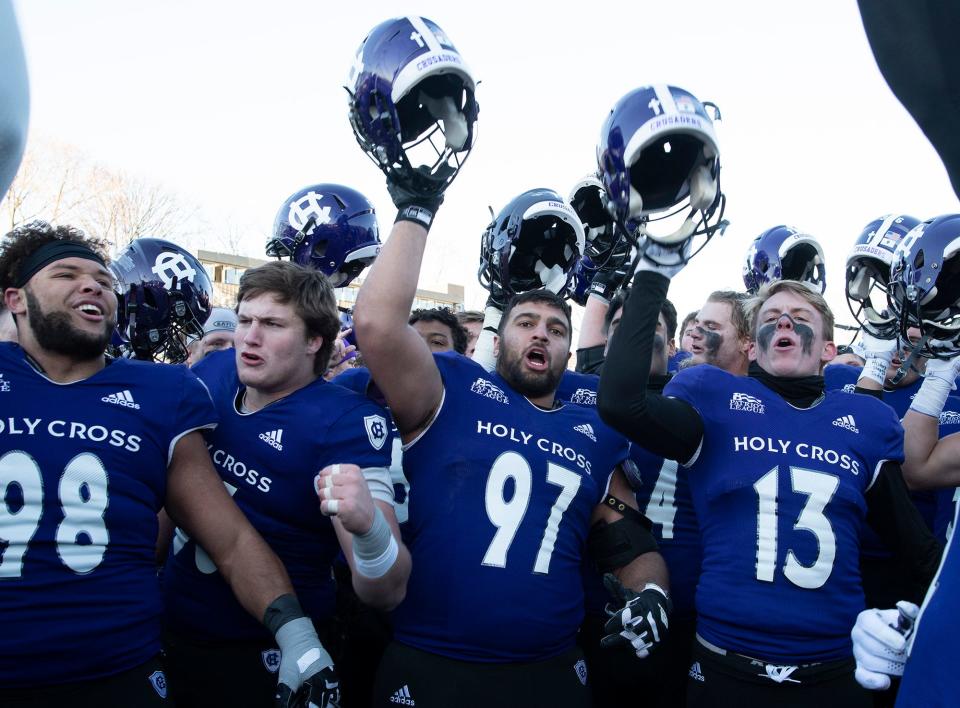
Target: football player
[
  {"x": 721, "y": 335},
  {"x": 923, "y": 294},
  {"x": 440, "y": 329},
  {"x": 89, "y": 452},
  {"x": 217, "y": 333},
  {"x": 472, "y": 321},
  {"x": 782, "y": 475},
  {"x": 280, "y": 424}
]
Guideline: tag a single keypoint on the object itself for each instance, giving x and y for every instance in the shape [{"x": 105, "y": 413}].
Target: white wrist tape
[
  {"x": 932, "y": 395},
  {"x": 375, "y": 551},
  {"x": 875, "y": 369}
]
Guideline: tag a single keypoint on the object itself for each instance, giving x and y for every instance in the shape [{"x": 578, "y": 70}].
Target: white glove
[
  {"x": 665, "y": 260},
  {"x": 880, "y": 644},
  {"x": 938, "y": 381},
  {"x": 877, "y": 355}
]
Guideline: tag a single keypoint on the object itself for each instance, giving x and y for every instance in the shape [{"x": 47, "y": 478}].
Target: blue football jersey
[
  {"x": 501, "y": 497},
  {"x": 268, "y": 460},
  {"x": 929, "y": 678},
  {"x": 83, "y": 472},
  {"x": 935, "y": 506},
  {"x": 663, "y": 496},
  {"x": 358, "y": 379},
  {"x": 779, "y": 495},
  {"x": 578, "y": 388}
]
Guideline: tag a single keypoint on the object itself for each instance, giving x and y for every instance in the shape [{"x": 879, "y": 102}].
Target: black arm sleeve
[
  {"x": 915, "y": 46},
  {"x": 664, "y": 426},
  {"x": 590, "y": 359},
  {"x": 892, "y": 514}
]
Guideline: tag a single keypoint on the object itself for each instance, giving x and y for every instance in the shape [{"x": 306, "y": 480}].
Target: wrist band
[
  {"x": 375, "y": 551},
  {"x": 416, "y": 214},
  {"x": 875, "y": 369}
]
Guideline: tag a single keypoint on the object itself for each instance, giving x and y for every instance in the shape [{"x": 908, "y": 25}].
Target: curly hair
[
  {"x": 20, "y": 243},
  {"x": 444, "y": 316}
]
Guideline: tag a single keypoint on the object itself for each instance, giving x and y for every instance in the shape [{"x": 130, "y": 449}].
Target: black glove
[
  {"x": 640, "y": 620},
  {"x": 413, "y": 206},
  {"x": 322, "y": 690},
  {"x": 606, "y": 283}
]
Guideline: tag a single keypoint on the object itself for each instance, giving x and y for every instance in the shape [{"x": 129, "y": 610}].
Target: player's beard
[
  {"x": 54, "y": 332},
  {"x": 528, "y": 383}
]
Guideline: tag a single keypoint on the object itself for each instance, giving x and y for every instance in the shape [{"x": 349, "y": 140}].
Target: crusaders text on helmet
[
  {"x": 783, "y": 253},
  {"x": 164, "y": 298},
  {"x": 534, "y": 242},
  {"x": 328, "y": 227},
  {"x": 412, "y": 104},
  {"x": 658, "y": 158}
]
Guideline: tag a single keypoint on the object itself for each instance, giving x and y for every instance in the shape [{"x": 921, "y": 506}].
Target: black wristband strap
[
  {"x": 417, "y": 214},
  {"x": 280, "y": 611}
]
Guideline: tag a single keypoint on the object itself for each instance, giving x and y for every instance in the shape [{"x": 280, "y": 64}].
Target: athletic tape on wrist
[
  {"x": 932, "y": 396},
  {"x": 375, "y": 551},
  {"x": 875, "y": 369}
]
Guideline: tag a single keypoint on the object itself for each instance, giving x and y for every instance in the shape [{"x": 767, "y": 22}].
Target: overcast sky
[{"x": 235, "y": 105}]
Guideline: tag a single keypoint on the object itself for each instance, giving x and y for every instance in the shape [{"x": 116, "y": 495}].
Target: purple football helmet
[
  {"x": 580, "y": 280},
  {"x": 783, "y": 253},
  {"x": 328, "y": 227},
  {"x": 658, "y": 157},
  {"x": 534, "y": 242},
  {"x": 868, "y": 273},
  {"x": 412, "y": 104},
  {"x": 924, "y": 288},
  {"x": 164, "y": 298}
]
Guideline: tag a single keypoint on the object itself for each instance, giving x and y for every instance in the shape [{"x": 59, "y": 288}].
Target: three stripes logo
[
  {"x": 121, "y": 398},
  {"x": 402, "y": 697},
  {"x": 587, "y": 430},
  {"x": 846, "y": 421},
  {"x": 273, "y": 438}
]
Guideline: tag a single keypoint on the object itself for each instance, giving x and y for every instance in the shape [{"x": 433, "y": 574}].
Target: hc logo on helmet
[
  {"x": 172, "y": 267},
  {"x": 308, "y": 206}
]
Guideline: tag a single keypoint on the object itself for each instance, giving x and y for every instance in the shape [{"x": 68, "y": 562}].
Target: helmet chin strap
[{"x": 908, "y": 364}]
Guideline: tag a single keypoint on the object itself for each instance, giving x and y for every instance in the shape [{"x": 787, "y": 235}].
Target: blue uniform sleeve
[
  {"x": 887, "y": 435},
  {"x": 361, "y": 436},
  {"x": 194, "y": 412}
]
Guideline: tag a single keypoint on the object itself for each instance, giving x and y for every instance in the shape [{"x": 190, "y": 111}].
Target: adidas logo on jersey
[
  {"x": 846, "y": 421},
  {"x": 746, "y": 402},
  {"x": 695, "y": 673},
  {"x": 273, "y": 438},
  {"x": 121, "y": 398},
  {"x": 485, "y": 388},
  {"x": 584, "y": 397},
  {"x": 946, "y": 418},
  {"x": 587, "y": 430},
  {"x": 402, "y": 697}
]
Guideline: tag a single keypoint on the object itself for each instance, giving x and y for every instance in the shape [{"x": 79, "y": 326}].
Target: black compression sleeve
[
  {"x": 664, "y": 426},
  {"x": 590, "y": 359},
  {"x": 915, "y": 46},
  {"x": 893, "y": 515}
]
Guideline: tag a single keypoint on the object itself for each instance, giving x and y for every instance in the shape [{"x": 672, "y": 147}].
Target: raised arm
[
  {"x": 665, "y": 426},
  {"x": 399, "y": 360},
  {"x": 930, "y": 462}
]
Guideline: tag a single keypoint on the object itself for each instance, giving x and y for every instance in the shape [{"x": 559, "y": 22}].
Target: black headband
[{"x": 50, "y": 252}]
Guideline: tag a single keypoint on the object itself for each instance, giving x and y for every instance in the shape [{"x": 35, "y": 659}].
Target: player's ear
[
  {"x": 15, "y": 301},
  {"x": 829, "y": 352},
  {"x": 496, "y": 345},
  {"x": 752, "y": 350},
  {"x": 314, "y": 344}
]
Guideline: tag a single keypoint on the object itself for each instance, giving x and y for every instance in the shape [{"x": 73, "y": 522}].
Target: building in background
[{"x": 225, "y": 270}]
